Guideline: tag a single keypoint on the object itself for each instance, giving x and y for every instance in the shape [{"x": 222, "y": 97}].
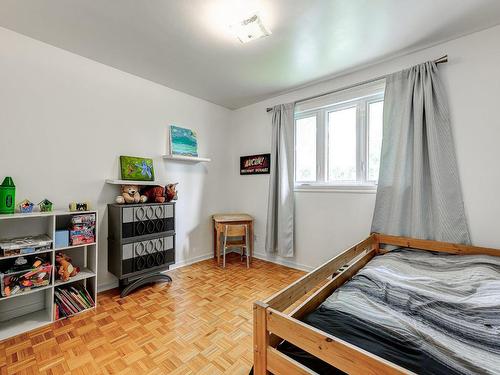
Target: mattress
[{"x": 431, "y": 313}]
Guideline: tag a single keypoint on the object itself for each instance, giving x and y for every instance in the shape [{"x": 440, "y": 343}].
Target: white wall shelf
[
  {"x": 23, "y": 312},
  {"x": 132, "y": 182},
  {"x": 188, "y": 159}
]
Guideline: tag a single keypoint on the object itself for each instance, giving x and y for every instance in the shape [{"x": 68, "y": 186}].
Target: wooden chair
[{"x": 231, "y": 231}]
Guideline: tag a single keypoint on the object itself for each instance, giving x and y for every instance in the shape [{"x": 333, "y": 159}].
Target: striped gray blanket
[{"x": 446, "y": 305}]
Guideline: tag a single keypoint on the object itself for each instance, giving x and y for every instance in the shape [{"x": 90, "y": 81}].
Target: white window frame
[{"x": 361, "y": 100}]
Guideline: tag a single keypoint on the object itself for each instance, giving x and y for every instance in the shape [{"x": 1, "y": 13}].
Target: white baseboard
[
  {"x": 282, "y": 261},
  {"x": 107, "y": 286},
  {"x": 187, "y": 262}
]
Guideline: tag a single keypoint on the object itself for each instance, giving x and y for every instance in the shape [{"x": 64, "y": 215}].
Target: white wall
[
  {"x": 328, "y": 222},
  {"x": 65, "y": 119}
]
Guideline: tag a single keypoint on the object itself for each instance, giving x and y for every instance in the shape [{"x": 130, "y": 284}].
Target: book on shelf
[{"x": 71, "y": 299}]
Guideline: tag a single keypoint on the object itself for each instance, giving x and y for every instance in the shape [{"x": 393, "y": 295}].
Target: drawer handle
[
  {"x": 151, "y": 226},
  {"x": 159, "y": 225},
  {"x": 149, "y": 247},
  {"x": 140, "y": 263},
  {"x": 139, "y": 248},
  {"x": 159, "y": 245},
  {"x": 150, "y": 212},
  {"x": 159, "y": 212},
  {"x": 139, "y": 213},
  {"x": 151, "y": 261},
  {"x": 141, "y": 227}
]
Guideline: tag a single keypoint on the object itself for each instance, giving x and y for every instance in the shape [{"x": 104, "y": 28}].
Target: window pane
[
  {"x": 342, "y": 145},
  {"x": 375, "y": 121},
  {"x": 305, "y": 149}
]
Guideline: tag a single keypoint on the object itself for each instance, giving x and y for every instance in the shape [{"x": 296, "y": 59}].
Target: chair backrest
[{"x": 235, "y": 230}]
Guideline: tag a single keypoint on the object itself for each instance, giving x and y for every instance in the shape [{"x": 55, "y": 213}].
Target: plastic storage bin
[
  {"x": 23, "y": 281},
  {"x": 24, "y": 245}
]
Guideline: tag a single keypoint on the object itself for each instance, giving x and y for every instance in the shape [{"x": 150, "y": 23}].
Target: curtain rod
[{"x": 441, "y": 60}]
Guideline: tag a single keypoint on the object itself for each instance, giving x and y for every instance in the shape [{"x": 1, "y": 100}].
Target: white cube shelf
[{"x": 30, "y": 310}]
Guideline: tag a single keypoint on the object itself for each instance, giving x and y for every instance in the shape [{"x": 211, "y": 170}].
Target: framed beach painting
[
  {"x": 136, "y": 168},
  {"x": 183, "y": 141}
]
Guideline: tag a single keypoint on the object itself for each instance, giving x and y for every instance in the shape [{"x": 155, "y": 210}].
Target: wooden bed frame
[{"x": 272, "y": 324}]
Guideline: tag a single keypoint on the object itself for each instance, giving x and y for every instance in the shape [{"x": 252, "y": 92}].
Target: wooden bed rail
[
  {"x": 447, "y": 247},
  {"x": 264, "y": 341},
  {"x": 336, "y": 352},
  {"x": 272, "y": 325}
]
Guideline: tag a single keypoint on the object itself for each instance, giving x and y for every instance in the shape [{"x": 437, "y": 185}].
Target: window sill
[{"x": 349, "y": 189}]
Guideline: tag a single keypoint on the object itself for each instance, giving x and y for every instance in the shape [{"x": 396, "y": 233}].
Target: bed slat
[
  {"x": 338, "y": 353},
  {"x": 280, "y": 364}
]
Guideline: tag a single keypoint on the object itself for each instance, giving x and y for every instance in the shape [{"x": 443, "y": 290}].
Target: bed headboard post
[
  {"x": 260, "y": 338},
  {"x": 376, "y": 242}
]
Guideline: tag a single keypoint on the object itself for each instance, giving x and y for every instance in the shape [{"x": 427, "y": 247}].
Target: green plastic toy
[
  {"x": 7, "y": 196},
  {"x": 45, "y": 205}
]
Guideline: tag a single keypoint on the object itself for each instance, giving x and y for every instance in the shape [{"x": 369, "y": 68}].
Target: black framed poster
[{"x": 255, "y": 164}]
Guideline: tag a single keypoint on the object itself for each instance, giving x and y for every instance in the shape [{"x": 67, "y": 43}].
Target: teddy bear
[
  {"x": 154, "y": 194},
  {"x": 171, "y": 192},
  {"x": 130, "y": 194},
  {"x": 65, "y": 269}
]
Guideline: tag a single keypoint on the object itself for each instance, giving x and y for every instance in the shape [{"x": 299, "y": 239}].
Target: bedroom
[{"x": 85, "y": 82}]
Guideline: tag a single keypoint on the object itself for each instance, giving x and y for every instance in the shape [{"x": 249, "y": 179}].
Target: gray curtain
[
  {"x": 280, "y": 204},
  {"x": 419, "y": 192}
]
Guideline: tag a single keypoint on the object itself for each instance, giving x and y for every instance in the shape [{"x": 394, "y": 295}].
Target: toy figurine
[
  {"x": 171, "y": 192},
  {"x": 65, "y": 269},
  {"x": 155, "y": 194},
  {"x": 79, "y": 206}
]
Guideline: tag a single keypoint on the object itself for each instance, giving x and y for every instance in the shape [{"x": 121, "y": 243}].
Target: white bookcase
[{"x": 29, "y": 310}]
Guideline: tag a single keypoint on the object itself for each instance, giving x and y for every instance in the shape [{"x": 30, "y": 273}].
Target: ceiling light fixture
[{"x": 250, "y": 29}]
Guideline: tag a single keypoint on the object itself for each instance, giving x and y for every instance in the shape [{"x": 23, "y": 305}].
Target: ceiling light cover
[{"x": 250, "y": 29}]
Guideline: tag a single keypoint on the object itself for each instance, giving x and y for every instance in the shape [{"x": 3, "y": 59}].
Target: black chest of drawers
[{"x": 141, "y": 243}]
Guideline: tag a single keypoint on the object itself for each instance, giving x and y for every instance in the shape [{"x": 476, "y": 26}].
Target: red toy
[
  {"x": 155, "y": 194},
  {"x": 172, "y": 192}
]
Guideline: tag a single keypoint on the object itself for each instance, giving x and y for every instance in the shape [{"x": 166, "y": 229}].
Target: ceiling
[{"x": 186, "y": 44}]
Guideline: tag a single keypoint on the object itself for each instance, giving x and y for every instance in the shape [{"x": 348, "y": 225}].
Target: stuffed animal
[
  {"x": 155, "y": 194},
  {"x": 65, "y": 269},
  {"x": 130, "y": 194},
  {"x": 171, "y": 192}
]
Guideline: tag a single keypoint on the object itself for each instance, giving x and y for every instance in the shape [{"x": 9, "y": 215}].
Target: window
[
  {"x": 305, "y": 162},
  {"x": 338, "y": 139}
]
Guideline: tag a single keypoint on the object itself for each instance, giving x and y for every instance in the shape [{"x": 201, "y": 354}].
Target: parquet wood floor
[{"x": 199, "y": 324}]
